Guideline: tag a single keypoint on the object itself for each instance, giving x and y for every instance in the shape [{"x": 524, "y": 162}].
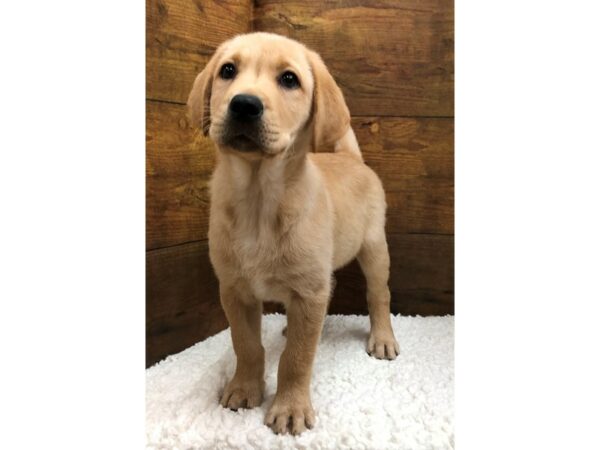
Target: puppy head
[{"x": 262, "y": 94}]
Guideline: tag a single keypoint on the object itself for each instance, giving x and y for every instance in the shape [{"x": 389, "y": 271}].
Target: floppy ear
[
  {"x": 198, "y": 102},
  {"x": 331, "y": 117}
]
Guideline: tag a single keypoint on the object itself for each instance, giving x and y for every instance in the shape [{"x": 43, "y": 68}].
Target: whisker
[{"x": 209, "y": 122}]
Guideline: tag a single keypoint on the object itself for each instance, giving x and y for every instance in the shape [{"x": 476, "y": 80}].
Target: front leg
[
  {"x": 244, "y": 313},
  {"x": 292, "y": 406}
]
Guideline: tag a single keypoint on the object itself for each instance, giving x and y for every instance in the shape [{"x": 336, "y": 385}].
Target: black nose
[{"x": 246, "y": 107}]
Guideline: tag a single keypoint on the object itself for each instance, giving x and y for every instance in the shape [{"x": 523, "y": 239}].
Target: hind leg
[{"x": 374, "y": 261}]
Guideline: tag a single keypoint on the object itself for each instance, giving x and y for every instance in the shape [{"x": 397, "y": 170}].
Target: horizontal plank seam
[
  {"x": 179, "y": 244},
  {"x": 410, "y": 233},
  {"x": 421, "y": 233},
  {"x": 169, "y": 102},
  {"x": 391, "y": 116}
]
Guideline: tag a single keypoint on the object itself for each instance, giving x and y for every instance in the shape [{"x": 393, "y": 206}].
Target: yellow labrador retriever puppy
[{"x": 283, "y": 218}]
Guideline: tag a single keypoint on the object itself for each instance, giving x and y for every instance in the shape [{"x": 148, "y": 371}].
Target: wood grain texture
[
  {"x": 413, "y": 157},
  {"x": 421, "y": 278},
  {"x": 182, "y": 299},
  {"x": 182, "y": 35},
  {"x": 390, "y": 58},
  {"x": 179, "y": 163},
  {"x": 415, "y": 160}
]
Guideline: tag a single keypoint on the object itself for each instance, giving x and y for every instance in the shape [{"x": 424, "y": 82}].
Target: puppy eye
[
  {"x": 227, "y": 72},
  {"x": 289, "y": 80}
]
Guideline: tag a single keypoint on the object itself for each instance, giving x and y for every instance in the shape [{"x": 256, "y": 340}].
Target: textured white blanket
[{"x": 360, "y": 402}]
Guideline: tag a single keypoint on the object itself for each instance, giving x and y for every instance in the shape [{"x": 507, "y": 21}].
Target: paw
[
  {"x": 294, "y": 416},
  {"x": 383, "y": 345},
  {"x": 247, "y": 394}
]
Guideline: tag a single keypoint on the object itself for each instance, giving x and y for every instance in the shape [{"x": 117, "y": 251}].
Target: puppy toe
[
  {"x": 270, "y": 419},
  {"x": 237, "y": 400},
  {"x": 371, "y": 347},
  {"x": 390, "y": 351},
  {"x": 309, "y": 418},
  {"x": 379, "y": 350},
  {"x": 281, "y": 424},
  {"x": 298, "y": 423},
  {"x": 225, "y": 398}
]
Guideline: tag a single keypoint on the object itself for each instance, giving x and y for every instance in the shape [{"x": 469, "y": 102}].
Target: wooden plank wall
[
  {"x": 395, "y": 63},
  {"x": 182, "y": 305}
]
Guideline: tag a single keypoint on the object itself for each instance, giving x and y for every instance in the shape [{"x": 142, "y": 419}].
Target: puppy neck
[
  {"x": 264, "y": 171},
  {"x": 257, "y": 189}
]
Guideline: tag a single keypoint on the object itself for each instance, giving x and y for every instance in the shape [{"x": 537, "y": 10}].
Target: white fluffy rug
[{"x": 360, "y": 402}]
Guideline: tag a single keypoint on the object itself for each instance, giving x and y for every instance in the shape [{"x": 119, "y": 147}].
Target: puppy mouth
[
  {"x": 244, "y": 142},
  {"x": 255, "y": 138}
]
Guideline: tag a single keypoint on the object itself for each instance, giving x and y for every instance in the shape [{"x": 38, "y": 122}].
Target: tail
[{"x": 348, "y": 143}]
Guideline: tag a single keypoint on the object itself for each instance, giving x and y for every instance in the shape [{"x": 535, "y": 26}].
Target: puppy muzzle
[{"x": 245, "y": 130}]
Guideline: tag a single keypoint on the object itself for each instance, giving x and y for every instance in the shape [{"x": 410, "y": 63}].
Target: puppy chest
[
  {"x": 269, "y": 289},
  {"x": 262, "y": 266}
]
